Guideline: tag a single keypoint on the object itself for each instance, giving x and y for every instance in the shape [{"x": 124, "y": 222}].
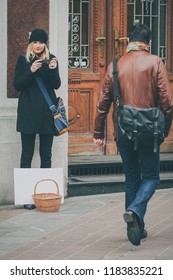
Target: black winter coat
[{"x": 33, "y": 113}]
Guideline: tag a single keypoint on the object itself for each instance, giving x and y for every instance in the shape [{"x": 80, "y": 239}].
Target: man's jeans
[{"x": 141, "y": 170}]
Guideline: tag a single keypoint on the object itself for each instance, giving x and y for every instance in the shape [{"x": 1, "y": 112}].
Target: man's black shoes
[
  {"x": 144, "y": 234},
  {"x": 133, "y": 231}
]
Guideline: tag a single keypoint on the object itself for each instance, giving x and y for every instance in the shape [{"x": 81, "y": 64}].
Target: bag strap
[
  {"x": 45, "y": 93},
  {"x": 155, "y": 133},
  {"x": 116, "y": 90}
]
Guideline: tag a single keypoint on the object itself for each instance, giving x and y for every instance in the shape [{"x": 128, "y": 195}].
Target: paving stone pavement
[{"x": 86, "y": 228}]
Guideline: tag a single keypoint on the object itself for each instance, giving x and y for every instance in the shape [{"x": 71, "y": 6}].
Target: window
[
  {"x": 153, "y": 13},
  {"x": 78, "y": 54}
]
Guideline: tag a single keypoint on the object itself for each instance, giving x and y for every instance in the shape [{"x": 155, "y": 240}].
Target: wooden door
[
  {"x": 88, "y": 59},
  {"x": 97, "y": 31}
]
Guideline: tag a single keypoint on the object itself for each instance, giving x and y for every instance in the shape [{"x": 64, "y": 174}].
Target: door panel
[
  {"x": 86, "y": 69},
  {"x": 80, "y": 99}
]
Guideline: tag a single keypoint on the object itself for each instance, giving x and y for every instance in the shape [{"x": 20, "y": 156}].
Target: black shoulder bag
[{"x": 142, "y": 126}]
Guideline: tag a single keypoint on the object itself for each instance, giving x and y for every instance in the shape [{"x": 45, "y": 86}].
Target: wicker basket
[{"x": 47, "y": 202}]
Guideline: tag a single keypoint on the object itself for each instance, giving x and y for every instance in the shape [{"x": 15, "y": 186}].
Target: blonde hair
[{"x": 30, "y": 54}]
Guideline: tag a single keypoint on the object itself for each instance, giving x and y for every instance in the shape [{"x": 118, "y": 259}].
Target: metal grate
[
  {"x": 78, "y": 34},
  {"x": 166, "y": 166},
  {"x": 94, "y": 170},
  {"x": 89, "y": 170}
]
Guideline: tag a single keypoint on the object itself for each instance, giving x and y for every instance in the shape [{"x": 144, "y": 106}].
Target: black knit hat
[{"x": 38, "y": 35}]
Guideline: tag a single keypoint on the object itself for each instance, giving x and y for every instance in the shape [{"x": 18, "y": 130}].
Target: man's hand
[{"x": 100, "y": 142}]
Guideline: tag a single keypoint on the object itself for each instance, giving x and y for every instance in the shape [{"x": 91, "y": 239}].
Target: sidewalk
[{"x": 86, "y": 228}]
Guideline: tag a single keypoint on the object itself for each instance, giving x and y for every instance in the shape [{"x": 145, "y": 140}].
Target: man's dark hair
[{"x": 140, "y": 32}]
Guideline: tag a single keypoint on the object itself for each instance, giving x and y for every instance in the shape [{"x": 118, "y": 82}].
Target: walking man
[{"x": 143, "y": 83}]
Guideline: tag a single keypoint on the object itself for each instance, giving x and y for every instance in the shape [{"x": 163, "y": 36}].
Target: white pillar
[
  {"x": 58, "y": 45},
  {"x": 9, "y": 139}
]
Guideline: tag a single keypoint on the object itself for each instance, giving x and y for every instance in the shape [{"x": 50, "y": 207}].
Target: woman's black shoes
[{"x": 29, "y": 206}]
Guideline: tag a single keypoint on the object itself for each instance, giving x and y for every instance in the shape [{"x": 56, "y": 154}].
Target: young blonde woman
[{"x": 33, "y": 114}]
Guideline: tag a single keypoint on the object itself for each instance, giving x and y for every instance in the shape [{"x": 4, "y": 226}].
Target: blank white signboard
[{"x": 25, "y": 180}]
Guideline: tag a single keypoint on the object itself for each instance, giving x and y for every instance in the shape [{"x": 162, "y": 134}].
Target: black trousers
[{"x": 45, "y": 150}]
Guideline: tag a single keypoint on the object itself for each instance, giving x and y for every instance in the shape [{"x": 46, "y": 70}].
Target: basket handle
[{"x": 46, "y": 180}]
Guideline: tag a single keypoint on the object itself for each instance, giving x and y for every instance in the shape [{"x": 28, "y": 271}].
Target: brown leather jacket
[{"x": 143, "y": 83}]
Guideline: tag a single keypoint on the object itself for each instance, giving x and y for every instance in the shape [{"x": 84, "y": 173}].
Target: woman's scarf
[{"x": 137, "y": 46}]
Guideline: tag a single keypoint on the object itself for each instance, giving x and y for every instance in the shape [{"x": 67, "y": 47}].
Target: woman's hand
[
  {"x": 53, "y": 63},
  {"x": 36, "y": 65}
]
